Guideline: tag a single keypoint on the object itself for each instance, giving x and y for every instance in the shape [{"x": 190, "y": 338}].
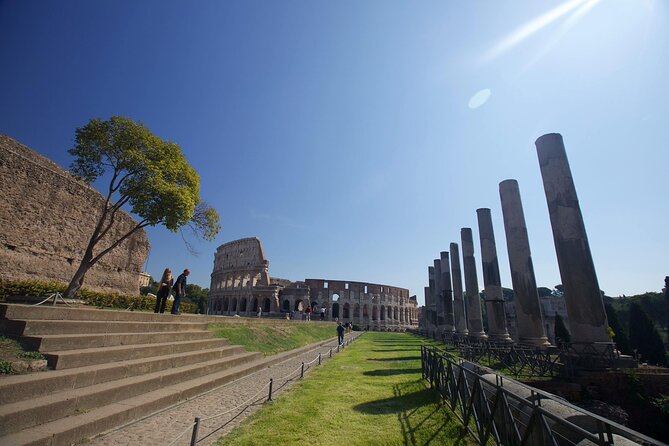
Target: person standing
[
  {"x": 308, "y": 313},
  {"x": 340, "y": 333},
  {"x": 179, "y": 290},
  {"x": 163, "y": 291}
]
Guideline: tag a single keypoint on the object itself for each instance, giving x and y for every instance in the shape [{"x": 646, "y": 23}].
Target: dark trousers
[
  {"x": 340, "y": 336},
  {"x": 161, "y": 301},
  {"x": 176, "y": 303}
]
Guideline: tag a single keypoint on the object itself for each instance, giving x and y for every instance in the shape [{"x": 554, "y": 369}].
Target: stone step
[
  {"x": 22, "y": 387},
  {"x": 47, "y": 312},
  {"x": 47, "y": 343},
  {"x": 28, "y": 413},
  {"x": 88, "y": 356},
  {"x": 78, "y": 427},
  {"x": 52, "y": 327}
]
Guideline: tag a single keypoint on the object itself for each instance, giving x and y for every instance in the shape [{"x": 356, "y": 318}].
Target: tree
[
  {"x": 619, "y": 335},
  {"x": 198, "y": 296},
  {"x": 146, "y": 174},
  {"x": 542, "y": 291},
  {"x": 644, "y": 337},
  {"x": 562, "y": 335}
]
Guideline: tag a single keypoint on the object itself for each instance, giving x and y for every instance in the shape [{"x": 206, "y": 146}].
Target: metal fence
[
  {"x": 263, "y": 395},
  {"x": 500, "y": 411}
]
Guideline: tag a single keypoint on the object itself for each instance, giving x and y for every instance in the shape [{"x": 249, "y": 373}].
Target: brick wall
[{"x": 46, "y": 219}]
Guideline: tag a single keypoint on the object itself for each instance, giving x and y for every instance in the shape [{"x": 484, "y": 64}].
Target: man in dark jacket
[
  {"x": 179, "y": 290},
  {"x": 340, "y": 333}
]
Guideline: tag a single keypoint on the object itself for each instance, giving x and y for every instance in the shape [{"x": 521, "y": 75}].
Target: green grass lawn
[
  {"x": 272, "y": 339},
  {"x": 369, "y": 394}
]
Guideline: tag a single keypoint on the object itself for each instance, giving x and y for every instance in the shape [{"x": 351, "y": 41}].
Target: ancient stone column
[
  {"x": 425, "y": 315},
  {"x": 432, "y": 307},
  {"x": 472, "y": 299},
  {"x": 585, "y": 308},
  {"x": 528, "y": 309},
  {"x": 447, "y": 293},
  {"x": 438, "y": 301},
  {"x": 458, "y": 296},
  {"x": 492, "y": 282}
]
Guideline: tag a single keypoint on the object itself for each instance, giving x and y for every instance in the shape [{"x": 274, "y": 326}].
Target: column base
[
  {"x": 541, "y": 342},
  {"x": 500, "y": 337},
  {"x": 478, "y": 336}
]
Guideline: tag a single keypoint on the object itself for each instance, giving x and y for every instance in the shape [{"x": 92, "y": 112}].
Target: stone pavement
[{"x": 245, "y": 396}]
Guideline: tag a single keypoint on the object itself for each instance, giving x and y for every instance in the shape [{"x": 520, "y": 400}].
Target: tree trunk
[{"x": 78, "y": 279}]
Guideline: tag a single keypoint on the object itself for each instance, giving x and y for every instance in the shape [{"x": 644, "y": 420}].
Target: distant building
[
  {"x": 144, "y": 279},
  {"x": 240, "y": 284}
]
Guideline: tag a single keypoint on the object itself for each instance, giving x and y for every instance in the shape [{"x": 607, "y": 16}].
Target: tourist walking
[
  {"x": 340, "y": 333},
  {"x": 308, "y": 312},
  {"x": 163, "y": 291},
  {"x": 179, "y": 290},
  {"x": 322, "y": 313}
]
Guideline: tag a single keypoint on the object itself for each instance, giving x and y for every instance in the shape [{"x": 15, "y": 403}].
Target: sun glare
[{"x": 538, "y": 23}]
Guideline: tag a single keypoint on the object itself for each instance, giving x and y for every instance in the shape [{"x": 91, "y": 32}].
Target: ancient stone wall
[{"x": 46, "y": 219}]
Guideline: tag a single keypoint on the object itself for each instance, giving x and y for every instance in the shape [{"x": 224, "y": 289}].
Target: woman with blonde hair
[{"x": 163, "y": 290}]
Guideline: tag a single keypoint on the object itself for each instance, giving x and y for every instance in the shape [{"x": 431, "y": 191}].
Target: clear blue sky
[{"x": 348, "y": 135}]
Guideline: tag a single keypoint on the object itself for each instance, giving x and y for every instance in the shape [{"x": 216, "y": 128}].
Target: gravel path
[{"x": 239, "y": 399}]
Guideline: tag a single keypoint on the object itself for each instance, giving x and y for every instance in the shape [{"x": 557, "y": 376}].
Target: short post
[
  {"x": 337, "y": 348},
  {"x": 269, "y": 397},
  {"x": 302, "y": 371},
  {"x": 319, "y": 359},
  {"x": 196, "y": 428},
  {"x": 330, "y": 352}
]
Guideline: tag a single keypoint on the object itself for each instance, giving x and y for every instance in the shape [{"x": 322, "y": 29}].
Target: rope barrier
[
  {"x": 237, "y": 407},
  {"x": 301, "y": 369},
  {"x": 190, "y": 426}
]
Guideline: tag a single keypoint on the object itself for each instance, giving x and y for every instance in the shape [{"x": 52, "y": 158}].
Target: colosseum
[{"x": 241, "y": 285}]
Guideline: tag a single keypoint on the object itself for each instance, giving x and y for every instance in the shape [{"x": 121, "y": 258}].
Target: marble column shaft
[
  {"x": 432, "y": 307},
  {"x": 529, "y": 319},
  {"x": 472, "y": 298},
  {"x": 439, "y": 302},
  {"x": 458, "y": 295},
  {"x": 585, "y": 308},
  {"x": 447, "y": 293},
  {"x": 491, "y": 280}
]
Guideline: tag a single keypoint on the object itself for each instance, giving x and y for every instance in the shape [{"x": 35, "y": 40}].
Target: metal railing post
[
  {"x": 330, "y": 352},
  {"x": 196, "y": 428},
  {"x": 269, "y": 397},
  {"x": 302, "y": 371},
  {"x": 319, "y": 359}
]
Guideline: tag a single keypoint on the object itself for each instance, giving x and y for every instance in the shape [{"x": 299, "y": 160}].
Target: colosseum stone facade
[
  {"x": 46, "y": 219},
  {"x": 241, "y": 285}
]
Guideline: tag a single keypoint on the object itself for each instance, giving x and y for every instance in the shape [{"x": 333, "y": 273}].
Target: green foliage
[
  {"x": 31, "y": 355},
  {"x": 275, "y": 338},
  {"x": 542, "y": 291},
  {"x": 6, "y": 368},
  {"x": 145, "y": 173},
  {"x": 198, "y": 297},
  {"x": 654, "y": 304},
  {"x": 152, "y": 175},
  {"x": 645, "y": 338},
  {"x": 562, "y": 335},
  {"x": 619, "y": 335},
  {"x": 662, "y": 403},
  {"x": 35, "y": 288},
  {"x": 369, "y": 394}
]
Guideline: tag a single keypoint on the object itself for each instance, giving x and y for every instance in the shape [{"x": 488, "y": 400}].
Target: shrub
[
  {"x": 6, "y": 368},
  {"x": 37, "y": 288},
  {"x": 31, "y": 355}
]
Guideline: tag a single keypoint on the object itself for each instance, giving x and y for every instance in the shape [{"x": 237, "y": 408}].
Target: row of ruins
[
  {"x": 241, "y": 285},
  {"x": 453, "y": 311}
]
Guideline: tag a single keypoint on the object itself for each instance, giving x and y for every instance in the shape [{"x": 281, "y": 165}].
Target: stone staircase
[{"x": 109, "y": 368}]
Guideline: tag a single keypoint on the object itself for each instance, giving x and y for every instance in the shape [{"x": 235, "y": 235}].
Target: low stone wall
[{"x": 46, "y": 218}]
